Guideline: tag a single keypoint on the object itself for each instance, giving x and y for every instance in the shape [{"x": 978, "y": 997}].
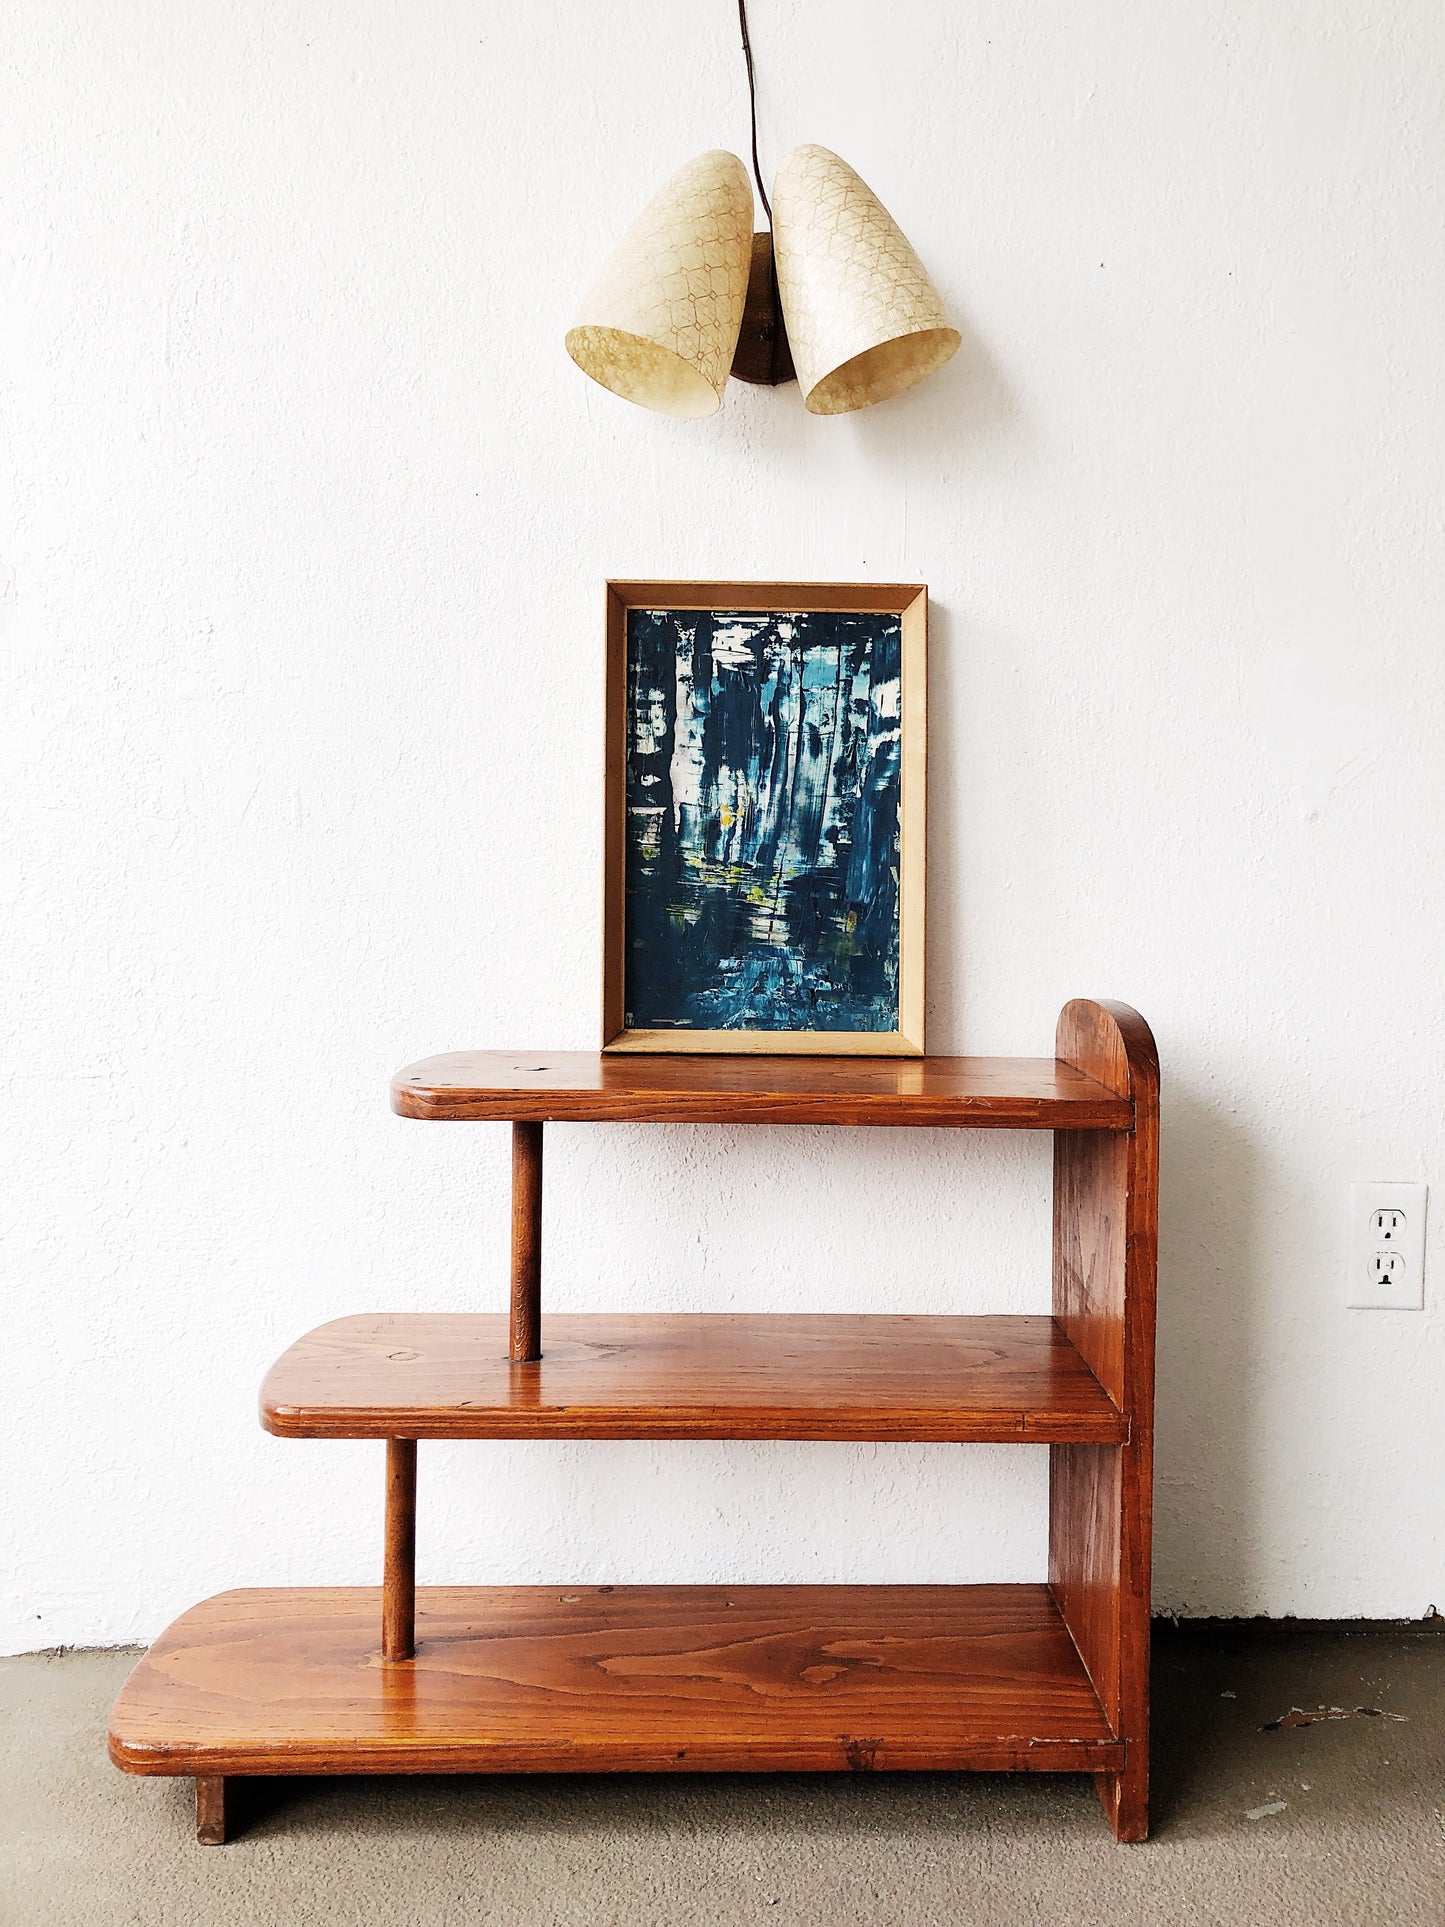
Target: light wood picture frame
[{"x": 765, "y": 818}]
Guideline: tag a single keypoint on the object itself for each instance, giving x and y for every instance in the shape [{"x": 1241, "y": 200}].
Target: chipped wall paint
[{"x": 304, "y": 521}]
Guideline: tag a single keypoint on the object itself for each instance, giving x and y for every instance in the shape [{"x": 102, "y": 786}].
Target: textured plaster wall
[{"x": 305, "y": 520}]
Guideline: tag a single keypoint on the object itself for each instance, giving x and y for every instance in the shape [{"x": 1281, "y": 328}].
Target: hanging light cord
[{"x": 753, "y": 107}]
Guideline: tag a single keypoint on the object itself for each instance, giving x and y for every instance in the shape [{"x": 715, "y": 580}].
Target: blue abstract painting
[{"x": 763, "y": 773}]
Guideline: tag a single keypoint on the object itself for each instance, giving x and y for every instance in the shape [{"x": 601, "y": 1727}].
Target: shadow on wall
[
  {"x": 1206, "y": 1483},
  {"x": 966, "y": 410},
  {"x": 969, "y": 404}
]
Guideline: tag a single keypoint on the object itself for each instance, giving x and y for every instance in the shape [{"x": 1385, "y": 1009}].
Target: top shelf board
[{"x": 998, "y": 1093}]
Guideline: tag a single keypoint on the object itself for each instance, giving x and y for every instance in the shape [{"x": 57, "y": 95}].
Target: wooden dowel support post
[
  {"x": 211, "y": 1811},
  {"x": 526, "y": 1333},
  {"x": 398, "y": 1583}
]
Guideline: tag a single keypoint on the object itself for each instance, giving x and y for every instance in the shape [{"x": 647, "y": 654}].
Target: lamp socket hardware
[{"x": 1386, "y": 1247}]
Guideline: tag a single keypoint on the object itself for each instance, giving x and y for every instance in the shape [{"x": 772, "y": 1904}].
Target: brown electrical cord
[
  {"x": 753, "y": 107},
  {"x": 773, "y": 330}
]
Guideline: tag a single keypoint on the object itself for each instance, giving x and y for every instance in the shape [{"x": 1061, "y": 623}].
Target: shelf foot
[
  {"x": 1125, "y": 1800},
  {"x": 211, "y": 1811}
]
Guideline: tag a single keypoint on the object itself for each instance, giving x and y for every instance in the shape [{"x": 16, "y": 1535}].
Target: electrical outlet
[{"x": 1387, "y": 1246}]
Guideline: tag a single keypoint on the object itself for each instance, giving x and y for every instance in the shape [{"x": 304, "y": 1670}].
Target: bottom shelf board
[{"x": 592, "y": 1679}]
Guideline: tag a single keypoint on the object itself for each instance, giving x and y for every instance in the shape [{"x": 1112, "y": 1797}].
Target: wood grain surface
[
  {"x": 1106, "y": 1230},
  {"x": 593, "y": 1679},
  {"x": 998, "y": 1093},
  {"x": 700, "y": 1375}
]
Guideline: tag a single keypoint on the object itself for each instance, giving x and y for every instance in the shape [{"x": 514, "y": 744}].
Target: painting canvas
[{"x": 770, "y": 754}]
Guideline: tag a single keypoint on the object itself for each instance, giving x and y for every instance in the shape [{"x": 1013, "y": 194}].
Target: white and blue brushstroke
[{"x": 762, "y": 820}]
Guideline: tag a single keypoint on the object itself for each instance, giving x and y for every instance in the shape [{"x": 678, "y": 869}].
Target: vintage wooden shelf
[{"x": 1045, "y": 1677}]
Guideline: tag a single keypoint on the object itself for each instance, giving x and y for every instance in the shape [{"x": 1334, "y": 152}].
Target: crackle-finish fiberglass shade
[
  {"x": 661, "y": 323},
  {"x": 864, "y": 321}
]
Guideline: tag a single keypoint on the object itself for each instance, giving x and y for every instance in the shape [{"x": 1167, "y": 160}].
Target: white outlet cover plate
[{"x": 1406, "y": 1290}]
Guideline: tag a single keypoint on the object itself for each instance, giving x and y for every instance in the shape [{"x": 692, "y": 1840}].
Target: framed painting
[{"x": 763, "y": 881}]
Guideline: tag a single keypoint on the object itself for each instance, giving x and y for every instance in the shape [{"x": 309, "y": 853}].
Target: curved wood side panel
[{"x": 1106, "y": 1227}]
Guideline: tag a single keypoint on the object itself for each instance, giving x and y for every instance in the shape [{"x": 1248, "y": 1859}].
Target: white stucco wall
[{"x": 304, "y": 520}]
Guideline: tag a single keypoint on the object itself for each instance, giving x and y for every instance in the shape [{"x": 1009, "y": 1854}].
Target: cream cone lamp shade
[
  {"x": 661, "y": 322},
  {"x": 864, "y": 321}
]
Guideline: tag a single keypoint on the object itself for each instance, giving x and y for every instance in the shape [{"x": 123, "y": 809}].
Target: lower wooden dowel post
[
  {"x": 211, "y": 1812},
  {"x": 398, "y": 1581},
  {"x": 526, "y": 1242}
]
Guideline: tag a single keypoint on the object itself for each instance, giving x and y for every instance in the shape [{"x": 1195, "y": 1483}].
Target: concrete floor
[{"x": 1340, "y": 1821}]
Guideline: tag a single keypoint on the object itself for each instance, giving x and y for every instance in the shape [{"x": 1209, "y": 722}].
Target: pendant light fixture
[{"x": 691, "y": 294}]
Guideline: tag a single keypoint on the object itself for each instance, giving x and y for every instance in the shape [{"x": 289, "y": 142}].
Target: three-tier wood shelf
[{"x": 1048, "y": 1677}]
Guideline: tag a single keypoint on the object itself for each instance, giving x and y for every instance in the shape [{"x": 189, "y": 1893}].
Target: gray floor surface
[{"x": 1337, "y": 1821}]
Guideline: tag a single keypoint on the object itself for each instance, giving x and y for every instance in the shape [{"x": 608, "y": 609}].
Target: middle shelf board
[{"x": 446, "y": 1375}]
